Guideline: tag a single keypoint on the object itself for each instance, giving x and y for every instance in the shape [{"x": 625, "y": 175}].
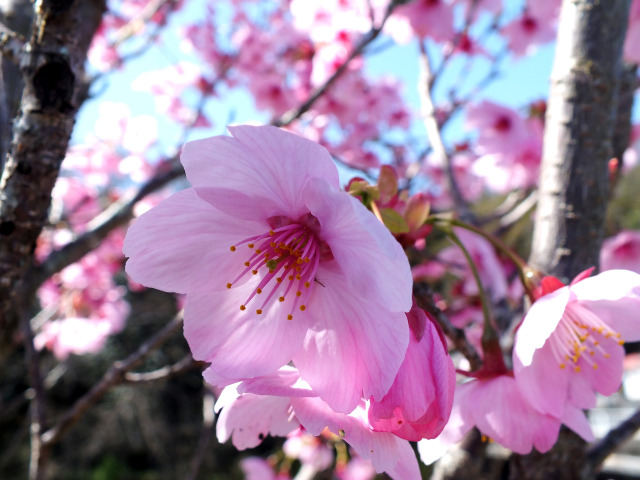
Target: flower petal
[
  {"x": 239, "y": 344},
  {"x": 539, "y": 323},
  {"x": 265, "y": 161},
  {"x": 181, "y": 243},
  {"x": 372, "y": 260},
  {"x": 353, "y": 349},
  {"x": 248, "y": 418},
  {"x": 542, "y": 381},
  {"x": 387, "y": 452}
]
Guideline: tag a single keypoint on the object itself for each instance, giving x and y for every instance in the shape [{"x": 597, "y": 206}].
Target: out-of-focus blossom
[
  {"x": 569, "y": 345},
  {"x": 424, "y": 19},
  {"x": 530, "y": 30},
  {"x": 502, "y": 413},
  {"x": 621, "y": 251},
  {"x": 631, "y": 51},
  {"x": 256, "y": 468},
  {"x": 302, "y": 270}
]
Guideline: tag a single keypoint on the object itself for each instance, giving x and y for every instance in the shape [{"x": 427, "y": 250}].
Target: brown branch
[
  {"x": 292, "y": 115},
  {"x": 114, "y": 376},
  {"x": 424, "y": 298},
  {"x": 208, "y": 420},
  {"x": 118, "y": 214},
  {"x": 579, "y": 125},
  {"x": 184, "y": 365},
  {"x": 610, "y": 443},
  {"x": 11, "y": 43},
  {"x": 39, "y": 453}
]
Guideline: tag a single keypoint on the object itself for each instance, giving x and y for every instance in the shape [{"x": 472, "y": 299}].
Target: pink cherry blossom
[
  {"x": 278, "y": 265},
  {"x": 425, "y": 18},
  {"x": 256, "y": 468},
  {"x": 621, "y": 251},
  {"x": 569, "y": 345},
  {"x": 502, "y": 412},
  {"x": 528, "y": 31},
  {"x": 419, "y": 401},
  {"x": 250, "y": 416},
  {"x": 631, "y": 51}
]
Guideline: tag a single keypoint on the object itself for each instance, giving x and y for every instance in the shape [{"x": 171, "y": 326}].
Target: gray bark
[
  {"x": 578, "y": 136},
  {"x": 52, "y": 71}
]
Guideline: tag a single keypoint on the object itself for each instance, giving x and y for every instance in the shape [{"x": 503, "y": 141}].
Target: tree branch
[
  {"x": 611, "y": 442},
  {"x": 578, "y": 133},
  {"x": 114, "y": 376},
  {"x": 52, "y": 69}
]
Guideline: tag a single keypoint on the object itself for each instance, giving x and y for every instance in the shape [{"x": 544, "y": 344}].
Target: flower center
[
  {"x": 581, "y": 337},
  {"x": 287, "y": 258}
]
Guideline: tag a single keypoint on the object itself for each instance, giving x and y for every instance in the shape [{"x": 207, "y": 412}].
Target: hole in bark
[
  {"x": 24, "y": 168},
  {"x": 7, "y": 228},
  {"x": 53, "y": 83}
]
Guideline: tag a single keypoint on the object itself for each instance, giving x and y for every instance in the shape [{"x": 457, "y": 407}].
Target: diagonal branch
[
  {"x": 114, "y": 376},
  {"x": 611, "y": 442}
]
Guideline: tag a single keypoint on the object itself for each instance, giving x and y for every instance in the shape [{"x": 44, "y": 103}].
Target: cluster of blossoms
[
  {"x": 278, "y": 265},
  {"x": 299, "y": 299},
  {"x": 83, "y": 305}
]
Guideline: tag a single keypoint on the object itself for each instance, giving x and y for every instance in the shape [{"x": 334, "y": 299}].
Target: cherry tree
[{"x": 408, "y": 279}]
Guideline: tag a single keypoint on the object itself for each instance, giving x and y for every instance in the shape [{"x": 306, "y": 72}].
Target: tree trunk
[
  {"x": 578, "y": 136},
  {"x": 52, "y": 70}
]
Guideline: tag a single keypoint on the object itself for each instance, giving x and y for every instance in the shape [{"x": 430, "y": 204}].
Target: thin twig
[
  {"x": 293, "y": 114},
  {"x": 39, "y": 452},
  {"x": 114, "y": 376},
  {"x": 11, "y": 43},
  {"x": 435, "y": 135},
  {"x": 115, "y": 215},
  {"x": 424, "y": 298},
  {"x": 184, "y": 365},
  {"x": 208, "y": 418},
  {"x": 611, "y": 442}
]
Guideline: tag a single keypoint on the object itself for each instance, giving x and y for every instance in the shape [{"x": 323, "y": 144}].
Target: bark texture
[
  {"x": 578, "y": 136},
  {"x": 51, "y": 66}
]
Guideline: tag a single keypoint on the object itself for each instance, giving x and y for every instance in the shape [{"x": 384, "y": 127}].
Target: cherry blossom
[
  {"x": 621, "y": 251},
  {"x": 419, "y": 401},
  {"x": 278, "y": 265},
  {"x": 569, "y": 345},
  {"x": 502, "y": 412},
  {"x": 251, "y": 416}
]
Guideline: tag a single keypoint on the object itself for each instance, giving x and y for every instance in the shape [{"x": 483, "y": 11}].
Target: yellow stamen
[
  {"x": 258, "y": 311},
  {"x": 228, "y": 285},
  {"x": 233, "y": 249}
]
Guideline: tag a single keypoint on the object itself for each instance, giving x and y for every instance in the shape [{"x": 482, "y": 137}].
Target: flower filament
[
  {"x": 580, "y": 338},
  {"x": 287, "y": 257}
]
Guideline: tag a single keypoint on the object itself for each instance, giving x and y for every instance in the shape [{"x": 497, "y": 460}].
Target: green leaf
[{"x": 394, "y": 221}]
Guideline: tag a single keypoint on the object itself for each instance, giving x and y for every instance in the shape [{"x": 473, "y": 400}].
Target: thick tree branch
[
  {"x": 52, "y": 68},
  {"x": 578, "y": 134},
  {"x": 611, "y": 442}
]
